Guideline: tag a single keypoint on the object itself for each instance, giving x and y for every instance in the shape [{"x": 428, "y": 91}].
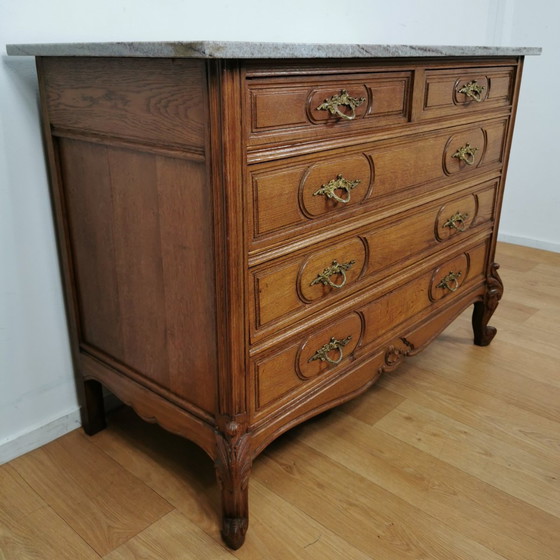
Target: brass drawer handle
[
  {"x": 334, "y": 344},
  {"x": 457, "y": 221},
  {"x": 335, "y": 268},
  {"x": 466, "y": 154},
  {"x": 473, "y": 90},
  {"x": 451, "y": 281},
  {"x": 340, "y": 183},
  {"x": 331, "y": 105}
]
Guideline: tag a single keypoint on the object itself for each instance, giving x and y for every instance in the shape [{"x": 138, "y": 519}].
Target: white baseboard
[
  {"x": 39, "y": 435},
  {"x": 528, "y": 242}
]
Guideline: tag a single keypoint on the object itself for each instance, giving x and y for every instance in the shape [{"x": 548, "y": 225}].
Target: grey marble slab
[{"x": 247, "y": 50}]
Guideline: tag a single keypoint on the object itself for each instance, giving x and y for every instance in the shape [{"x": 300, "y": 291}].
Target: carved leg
[
  {"x": 93, "y": 409},
  {"x": 233, "y": 467},
  {"x": 483, "y": 310}
]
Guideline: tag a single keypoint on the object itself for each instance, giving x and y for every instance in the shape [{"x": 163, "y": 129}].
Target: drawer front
[
  {"x": 460, "y": 91},
  {"x": 293, "y": 194},
  {"x": 328, "y": 350},
  {"x": 331, "y": 348},
  {"x": 317, "y": 107},
  {"x": 424, "y": 292},
  {"x": 296, "y": 284},
  {"x": 308, "y": 193},
  {"x": 283, "y": 291}
]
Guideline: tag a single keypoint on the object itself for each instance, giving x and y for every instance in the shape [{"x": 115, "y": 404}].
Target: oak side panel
[
  {"x": 89, "y": 205},
  {"x": 138, "y": 262},
  {"x": 151, "y": 100},
  {"x": 186, "y": 223},
  {"x": 141, "y": 236}
]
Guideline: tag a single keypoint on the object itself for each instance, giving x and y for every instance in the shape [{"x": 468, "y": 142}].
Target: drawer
[
  {"x": 283, "y": 291},
  {"x": 330, "y": 349},
  {"x": 296, "y": 284},
  {"x": 459, "y": 91},
  {"x": 304, "y": 194},
  {"x": 327, "y": 350},
  {"x": 316, "y": 107}
]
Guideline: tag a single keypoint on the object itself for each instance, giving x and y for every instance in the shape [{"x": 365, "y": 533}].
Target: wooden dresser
[{"x": 251, "y": 234}]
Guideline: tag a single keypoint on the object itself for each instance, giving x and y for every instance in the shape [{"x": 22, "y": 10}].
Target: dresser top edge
[{"x": 258, "y": 50}]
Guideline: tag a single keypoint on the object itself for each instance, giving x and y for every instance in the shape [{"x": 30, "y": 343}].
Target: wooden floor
[{"x": 454, "y": 456}]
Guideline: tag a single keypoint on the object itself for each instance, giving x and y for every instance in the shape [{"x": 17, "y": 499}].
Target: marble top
[{"x": 227, "y": 49}]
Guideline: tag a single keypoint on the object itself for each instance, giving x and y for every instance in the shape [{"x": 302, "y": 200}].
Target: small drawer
[
  {"x": 462, "y": 90},
  {"x": 317, "y": 107},
  {"x": 304, "y": 193},
  {"x": 284, "y": 291},
  {"x": 309, "y": 360}
]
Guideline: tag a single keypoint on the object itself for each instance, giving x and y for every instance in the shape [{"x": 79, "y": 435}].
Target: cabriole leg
[
  {"x": 233, "y": 467},
  {"x": 483, "y": 310}
]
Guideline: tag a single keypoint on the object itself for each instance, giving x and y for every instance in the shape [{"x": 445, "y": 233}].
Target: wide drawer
[
  {"x": 330, "y": 348},
  {"x": 315, "y": 107},
  {"x": 459, "y": 91},
  {"x": 283, "y": 291},
  {"x": 304, "y": 194}
]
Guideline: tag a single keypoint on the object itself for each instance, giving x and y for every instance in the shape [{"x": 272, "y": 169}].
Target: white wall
[
  {"x": 531, "y": 208},
  {"x": 37, "y": 398}
]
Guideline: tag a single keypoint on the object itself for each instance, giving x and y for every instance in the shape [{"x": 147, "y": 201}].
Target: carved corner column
[
  {"x": 233, "y": 467},
  {"x": 483, "y": 310}
]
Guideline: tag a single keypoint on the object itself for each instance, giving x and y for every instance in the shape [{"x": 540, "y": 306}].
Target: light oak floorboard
[
  {"x": 30, "y": 529},
  {"x": 95, "y": 496},
  {"x": 456, "y": 499},
  {"x": 374, "y": 520},
  {"x": 455, "y": 456},
  {"x": 527, "y": 476}
]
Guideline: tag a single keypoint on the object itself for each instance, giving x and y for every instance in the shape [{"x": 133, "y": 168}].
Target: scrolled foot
[
  {"x": 233, "y": 468},
  {"x": 483, "y": 334},
  {"x": 483, "y": 310},
  {"x": 234, "y": 530}
]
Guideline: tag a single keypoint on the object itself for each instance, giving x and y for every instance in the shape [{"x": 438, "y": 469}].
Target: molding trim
[
  {"x": 529, "y": 242},
  {"x": 37, "y": 436}
]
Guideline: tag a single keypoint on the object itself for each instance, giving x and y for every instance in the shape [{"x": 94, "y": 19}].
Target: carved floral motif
[
  {"x": 233, "y": 468},
  {"x": 395, "y": 353}
]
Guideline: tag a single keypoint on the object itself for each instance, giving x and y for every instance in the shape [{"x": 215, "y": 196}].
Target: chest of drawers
[{"x": 249, "y": 239}]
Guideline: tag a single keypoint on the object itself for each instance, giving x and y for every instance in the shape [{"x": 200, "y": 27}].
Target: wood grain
[
  {"x": 139, "y": 228},
  {"x": 448, "y": 494},
  {"x": 449, "y": 457},
  {"x": 172, "y": 536},
  {"x": 282, "y": 292},
  {"x": 155, "y": 171},
  {"x": 42, "y": 535},
  {"x": 105, "y": 513},
  {"x": 284, "y": 204},
  {"x": 288, "y": 111},
  {"x": 160, "y": 101},
  {"x": 442, "y": 97}
]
